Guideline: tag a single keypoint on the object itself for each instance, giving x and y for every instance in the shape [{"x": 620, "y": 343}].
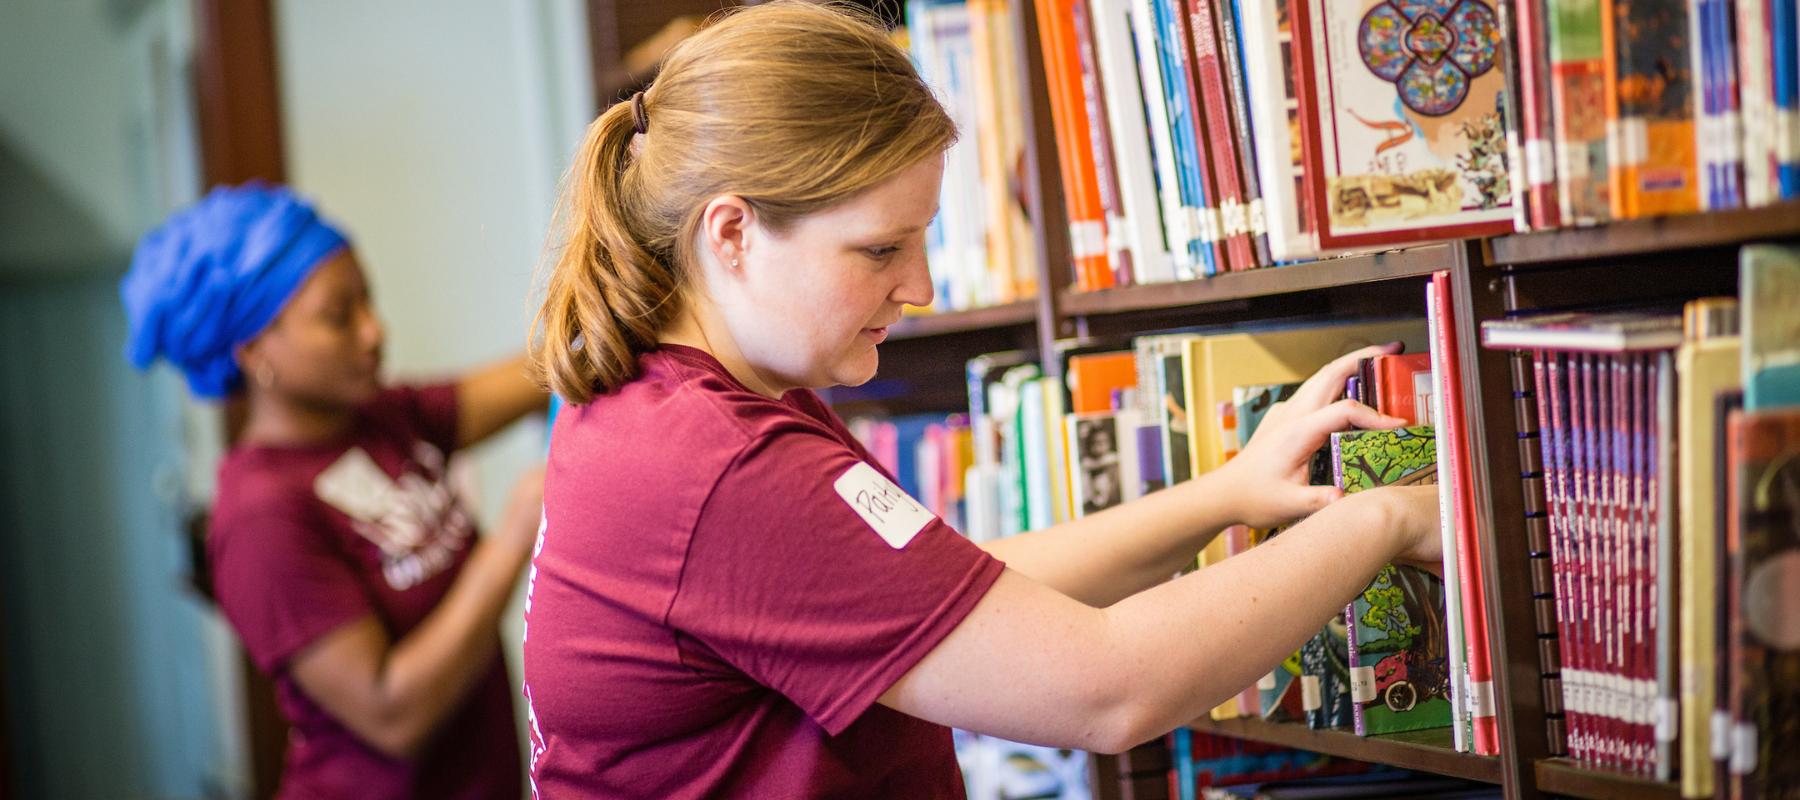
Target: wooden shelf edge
[
  {"x": 1408, "y": 751},
  {"x": 1411, "y": 262},
  {"x": 1651, "y": 235},
  {"x": 1564, "y": 776},
  {"x": 913, "y": 327}
]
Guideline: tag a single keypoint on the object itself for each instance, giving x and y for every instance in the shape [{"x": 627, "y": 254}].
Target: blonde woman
[{"x": 729, "y": 599}]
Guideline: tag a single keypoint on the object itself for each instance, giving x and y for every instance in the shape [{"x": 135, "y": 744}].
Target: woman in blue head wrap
[{"x": 339, "y": 552}]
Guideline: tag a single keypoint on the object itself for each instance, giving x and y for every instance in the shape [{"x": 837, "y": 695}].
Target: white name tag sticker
[{"x": 895, "y": 516}]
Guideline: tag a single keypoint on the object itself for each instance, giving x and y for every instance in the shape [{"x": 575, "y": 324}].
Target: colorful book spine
[
  {"x": 1142, "y": 225},
  {"x": 1231, "y": 36},
  {"x": 1222, "y": 135},
  {"x": 1204, "y": 182},
  {"x": 1769, "y": 279},
  {"x": 1578, "y": 87},
  {"x": 1461, "y": 733},
  {"x": 1756, "y": 93},
  {"x": 1538, "y": 133},
  {"x": 1652, "y": 158},
  {"x": 1784, "y": 46},
  {"x": 1177, "y": 228},
  {"x": 1068, "y": 110},
  {"x": 1118, "y": 249},
  {"x": 1486, "y": 734},
  {"x": 1194, "y": 232}
]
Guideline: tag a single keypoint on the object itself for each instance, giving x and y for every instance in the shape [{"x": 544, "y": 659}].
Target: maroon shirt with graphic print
[
  {"x": 710, "y": 617},
  {"x": 307, "y": 539}
]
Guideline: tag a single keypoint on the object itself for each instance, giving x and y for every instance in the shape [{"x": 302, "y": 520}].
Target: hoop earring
[{"x": 265, "y": 376}]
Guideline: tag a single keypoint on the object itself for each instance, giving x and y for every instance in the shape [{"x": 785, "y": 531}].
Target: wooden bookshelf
[
  {"x": 1648, "y": 236},
  {"x": 1330, "y": 273},
  {"x": 1023, "y": 312},
  {"x": 1562, "y": 776},
  {"x": 1429, "y": 750}
]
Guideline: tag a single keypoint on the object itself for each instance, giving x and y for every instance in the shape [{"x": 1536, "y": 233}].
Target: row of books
[
  {"x": 1202, "y": 763},
  {"x": 1632, "y": 109},
  {"x": 980, "y": 247},
  {"x": 1662, "y": 448},
  {"x": 1196, "y": 137},
  {"x": 1123, "y": 423}
]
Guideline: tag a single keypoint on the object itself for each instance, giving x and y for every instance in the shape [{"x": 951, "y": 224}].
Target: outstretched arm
[
  {"x": 1032, "y": 664},
  {"x": 1106, "y": 557},
  {"x": 394, "y": 694},
  {"x": 493, "y": 397}
]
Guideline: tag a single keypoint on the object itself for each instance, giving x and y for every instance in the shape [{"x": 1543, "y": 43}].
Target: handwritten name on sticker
[{"x": 894, "y": 515}]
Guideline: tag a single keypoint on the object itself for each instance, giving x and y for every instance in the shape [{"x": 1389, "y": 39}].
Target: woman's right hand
[{"x": 1414, "y": 523}]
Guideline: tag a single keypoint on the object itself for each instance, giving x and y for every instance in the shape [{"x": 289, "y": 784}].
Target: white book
[
  {"x": 1143, "y": 223},
  {"x": 1460, "y": 723},
  {"x": 1162, "y": 137},
  {"x": 1265, "y": 78},
  {"x": 1756, "y": 90}
]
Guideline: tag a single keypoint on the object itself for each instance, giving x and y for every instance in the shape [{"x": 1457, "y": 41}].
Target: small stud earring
[{"x": 734, "y": 262}]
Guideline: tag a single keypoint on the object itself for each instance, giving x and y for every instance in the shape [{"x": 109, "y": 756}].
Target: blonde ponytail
[{"x": 793, "y": 107}]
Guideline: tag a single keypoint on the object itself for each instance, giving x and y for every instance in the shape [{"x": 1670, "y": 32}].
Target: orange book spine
[{"x": 1068, "y": 110}]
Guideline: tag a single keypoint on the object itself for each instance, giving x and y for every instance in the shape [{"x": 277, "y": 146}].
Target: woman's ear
[{"x": 725, "y": 227}]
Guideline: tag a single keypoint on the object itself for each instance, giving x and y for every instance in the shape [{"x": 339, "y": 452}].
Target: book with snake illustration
[{"x": 1402, "y": 109}]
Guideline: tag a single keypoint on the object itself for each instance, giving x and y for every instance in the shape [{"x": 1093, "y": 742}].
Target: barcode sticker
[
  {"x": 1668, "y": 718},
  {"x": 1721, "y": 735},
  {"x": 1743, "y": 749},
  {"x": 1309, "y": 693},
  {"x": 1362, "y": 684}
]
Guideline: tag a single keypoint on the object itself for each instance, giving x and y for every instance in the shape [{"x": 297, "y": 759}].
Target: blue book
[
  {"x": 1783, "y": 47},
  {"x": 1186, "y": 136}
]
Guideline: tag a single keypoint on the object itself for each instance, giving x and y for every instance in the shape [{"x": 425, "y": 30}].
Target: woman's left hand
[{"x": 1268, "y": 479}]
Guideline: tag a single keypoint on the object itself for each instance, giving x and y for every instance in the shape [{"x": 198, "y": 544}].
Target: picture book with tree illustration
[{"x": 1398, "y": 639}]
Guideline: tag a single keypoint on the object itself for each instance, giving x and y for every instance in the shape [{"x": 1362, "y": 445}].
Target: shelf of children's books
[
  {"x": 1650, "y": 235},
  {"x": 1567, "y": 777},
  {"x": 1324, "y": 274},
  {"x": 917, "y": 325},
  {"x": 1429, "y": 750}
]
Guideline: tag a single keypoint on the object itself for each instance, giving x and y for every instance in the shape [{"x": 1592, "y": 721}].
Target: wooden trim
[
  {"x": 1024, "y": 312},
  {"x": 239, "y": 97},
  {"x": 1565, "y": 777},
  {"x": 240, "y": 138},
  {"x": 1498, "y": 496},
  {"x": 1043, "y": 187},
  {"x": 1330, "y": 273},
  {"x": 1430, "y": 750},
  {"x": 1650, "y": 235}
]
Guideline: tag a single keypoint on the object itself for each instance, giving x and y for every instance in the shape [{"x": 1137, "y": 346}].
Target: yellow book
[
  {"x": 1703, "y": 368},
  {"x": 1218, "y": 364}
]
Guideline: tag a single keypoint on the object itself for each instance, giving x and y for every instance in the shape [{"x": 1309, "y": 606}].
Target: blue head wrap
[{"x": 215, "y": 274}]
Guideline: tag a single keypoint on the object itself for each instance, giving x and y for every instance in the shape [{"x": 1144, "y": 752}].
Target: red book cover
[
  {"x": 1221, "y": 141},
  {"x": 1547, "y": 370},
  {"x": 1209, "y": 183},
  {"x": 1100, "y": 136},
  {"x": 1587, "y": 638},
  {"x": 1538, "y": 148},
  {"x": 1403, "y": 387},
  {"x": 1075, "y": 154},
  {"x": 1469, "y": 557}
]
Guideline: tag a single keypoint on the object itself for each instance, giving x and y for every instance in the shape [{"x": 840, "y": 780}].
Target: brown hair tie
[{"x": 640, "y": 119}]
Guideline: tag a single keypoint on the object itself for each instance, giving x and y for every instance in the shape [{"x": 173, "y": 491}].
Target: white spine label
[
  {"x": 1362, "y": 684},
  {"x": 1309, "y": 692}
]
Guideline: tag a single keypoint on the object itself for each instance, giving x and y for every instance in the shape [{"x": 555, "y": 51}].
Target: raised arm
[
  {"x": 493, "y": 397},
  {"x": 393, "y": 695},
  {"x": 1105, "y": 557},
  {"x": 1031, "y": 664}
]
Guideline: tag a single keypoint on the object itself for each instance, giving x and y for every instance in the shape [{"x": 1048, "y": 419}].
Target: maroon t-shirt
[
  {"x": 307, "y": 539},
  {"x": 710, "y": 616}
]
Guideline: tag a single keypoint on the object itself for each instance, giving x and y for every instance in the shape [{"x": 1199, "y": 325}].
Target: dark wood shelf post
[
  {"x": 1041, "y": 181},
  {"x": 1479, "y": 294}
]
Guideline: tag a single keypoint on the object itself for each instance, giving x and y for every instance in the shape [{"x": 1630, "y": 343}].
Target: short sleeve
[
  {"x": 429, "y": 411},
  {"x": 282, "y": 583},
  {"x": 788, "y": 582}
]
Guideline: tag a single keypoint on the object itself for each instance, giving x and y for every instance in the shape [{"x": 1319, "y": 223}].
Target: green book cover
[
  {"x": 1398, "y": 639},
  {"x": 1770, "y": 283},
  {"x": 1253, "y": 402}
]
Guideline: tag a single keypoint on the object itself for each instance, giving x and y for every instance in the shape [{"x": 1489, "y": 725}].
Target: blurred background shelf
[
  {"x": 1429, "y": 750},
  {"x": 1564, "y": 776}
]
